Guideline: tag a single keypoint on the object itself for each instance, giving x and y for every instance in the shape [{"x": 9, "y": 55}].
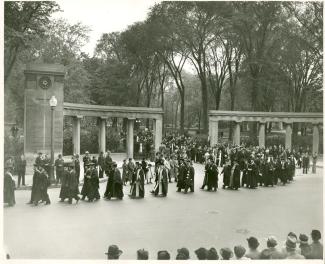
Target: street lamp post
[{"x": 53, "y": 103}]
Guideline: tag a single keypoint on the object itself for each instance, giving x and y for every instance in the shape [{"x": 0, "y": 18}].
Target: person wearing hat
[
  {"x": 201, "y": 253},
  {"x": 271, "y": 252},
  {"x": 73, "y": 184},
  {"x": 39, "y": 159},
  {"x": 130, "y": 169},
  {"x": 240, "y": 252},
  {"x": 114, "y": 186},
  {"x": 8, "y": 186},
  {"x": 211, "y": 175},
  {"x": 252, "y": 173},
  {"x": 163, "y": 255},
  {"x": 304, "y": 246},
  {"x": 212, "y": 254},
  {"x": 291, "y": 244},
  {"x": 316, "y": 246},
  {"x": 59, "y": 168},
  {"x": 137, "y": 184},
  {"x": 226, "y": 253},
  {"x": 40, "y": 185},
  {"x": 161, "y": 186},
  {"x": 183, "y": 254},
  {"x": 142, "y": 254},
  {"x": 86, "y": 187},
  {"x": 113, "y": 252},
  {"x": 253, "y": 252}
]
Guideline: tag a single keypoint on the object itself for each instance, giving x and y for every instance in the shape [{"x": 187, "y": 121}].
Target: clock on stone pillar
[{"x": 42, "y": 81}]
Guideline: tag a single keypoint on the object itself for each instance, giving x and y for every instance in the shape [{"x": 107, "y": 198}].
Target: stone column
[
  {"x": 129, "y": 142},
  {"x": 157, "y": 128},
  {"x": 315, "y": 138},
  {"x": 261, "y": 135},
  {"x": 213, "y": 124},
  {"x": 102, "y": 134},
  {"x": 288, "y": 139},
  {"x": 76, "y": 134},
  {"x": 236, "y": 136}
]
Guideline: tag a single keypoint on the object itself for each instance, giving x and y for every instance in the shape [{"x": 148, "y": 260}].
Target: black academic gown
[
  {"x": 137, "y": 184},
  {"x": 9, "y": 189}
]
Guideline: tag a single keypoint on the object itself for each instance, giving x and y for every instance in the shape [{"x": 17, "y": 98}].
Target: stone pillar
[
  {"x": 280, "y": 126},
  {"x": 315, "y": 138},
  {"x": 157, "y": 128},
  {"x": 236, "y": 136},
  {"x": 102, "y": 134},
  {"x": 261, "y": 135},
  {"x": 213, "y": 124},
  {"x": 129, "y": 142},
  {"x": 76, "y": 134},
  {"x": 42, "y": 81},
  {"x": 288, "y": 139}
]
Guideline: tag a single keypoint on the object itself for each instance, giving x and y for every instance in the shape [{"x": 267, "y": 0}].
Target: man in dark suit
[{"x": 59, "y": 168}]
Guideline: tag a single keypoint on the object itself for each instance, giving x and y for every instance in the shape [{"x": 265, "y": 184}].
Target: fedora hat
[{"x": 113, "y": 250}]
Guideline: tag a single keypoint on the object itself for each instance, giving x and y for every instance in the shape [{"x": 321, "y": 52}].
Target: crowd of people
[
  {"x": 295, "y": 247},
  {"x": 239, "y": 166}
]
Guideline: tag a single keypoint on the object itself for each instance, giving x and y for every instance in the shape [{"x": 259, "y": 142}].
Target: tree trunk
[
  {"x": 182, "y": 95},
  {"x": 205, "y": 121}
]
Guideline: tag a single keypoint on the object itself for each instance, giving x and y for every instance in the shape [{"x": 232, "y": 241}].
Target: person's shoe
[
  {"x": 62, "y": 200},
  {"x": 47, "y": 203},
  {"x": 30, "y": 202},
  {"x": 35, "y": 203}
]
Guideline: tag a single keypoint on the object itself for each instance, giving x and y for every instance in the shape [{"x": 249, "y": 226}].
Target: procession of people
[{"x": 238, "y": 166}]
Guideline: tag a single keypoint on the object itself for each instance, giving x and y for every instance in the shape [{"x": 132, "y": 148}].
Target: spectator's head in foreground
[
  {"x": 201, "y": 253},
  {"x": 239, "y": 251},
  {"x": 163, "y": 255},
  {"x": 142, "y": 254},
  {"x": 182, "y": 254},
  {"x": 226, "y": 253},
  {"x": 212, "y": 254},
  {"x": 113, "y": 252},
  {"x": 316, "y": 235}
]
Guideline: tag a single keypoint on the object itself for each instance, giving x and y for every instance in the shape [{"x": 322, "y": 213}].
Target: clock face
[{"x": 45, "y": 82}]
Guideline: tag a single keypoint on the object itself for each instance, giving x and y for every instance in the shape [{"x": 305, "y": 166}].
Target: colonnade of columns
[
  {"x": 213, "y": 134},
  {"x": 157, "y": 133}
]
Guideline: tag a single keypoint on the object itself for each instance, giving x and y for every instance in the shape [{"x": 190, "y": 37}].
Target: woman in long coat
[
  {"x": 94, "y": 184},
  {"x": 64, "y": 191},
  {"x": 137, "y": 184},
  {"x": 9, "y": 187},
  {"x": 87, "y": 184}
]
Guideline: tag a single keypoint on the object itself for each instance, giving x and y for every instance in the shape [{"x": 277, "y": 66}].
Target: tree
[{"x": 24, "y": 21}]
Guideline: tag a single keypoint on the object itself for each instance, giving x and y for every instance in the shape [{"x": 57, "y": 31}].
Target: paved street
[{"x": 225, "y": 218}]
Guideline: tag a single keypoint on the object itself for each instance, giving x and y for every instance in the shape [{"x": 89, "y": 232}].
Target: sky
[{"x": 103, "y": 16}]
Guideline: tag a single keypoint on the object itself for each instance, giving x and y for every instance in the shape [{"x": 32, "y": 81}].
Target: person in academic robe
[
  {"x": 86, "y": 188},
  {"x": 77, "y": 167},
  {"x": 144, "y": 166},
  {"x": 94, "y": 184},
  {"x": 130, "y": 169},
  {"x": 124, "y": 172},
  {"x": 64, "y": 191},
  {"x": 252, "y": 174},
  {"x": 226, "y": 171},
  {"x": 283, "y": 171},
  {"x": 47, "y": 164},
  {"x": 73, "y": 188},
  {"x": 108, "y": 163},
  {"x": 182, "y": 174},
  {"x": 190, "y": 179},
  {"x": 305, "y": 163},
  {"x": 212, "y": 176},
  {"x": 9, "y": 187},
  {"x": 161, "y": 187},
  {"x": 101, "y": 164},
  {"x": 114, "y": 187},
  {"x": 40, "y": 184},
  {"x": 86, "y": 160},
  {"x": 59, "y": 168},
  {"x": 137, "y": 183},
  {"x": 268, "y": 172},
  {"x": 234, "y": 175}
]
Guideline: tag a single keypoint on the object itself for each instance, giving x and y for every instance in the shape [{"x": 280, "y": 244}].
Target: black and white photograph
[{"x": 162, "y": 130}]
